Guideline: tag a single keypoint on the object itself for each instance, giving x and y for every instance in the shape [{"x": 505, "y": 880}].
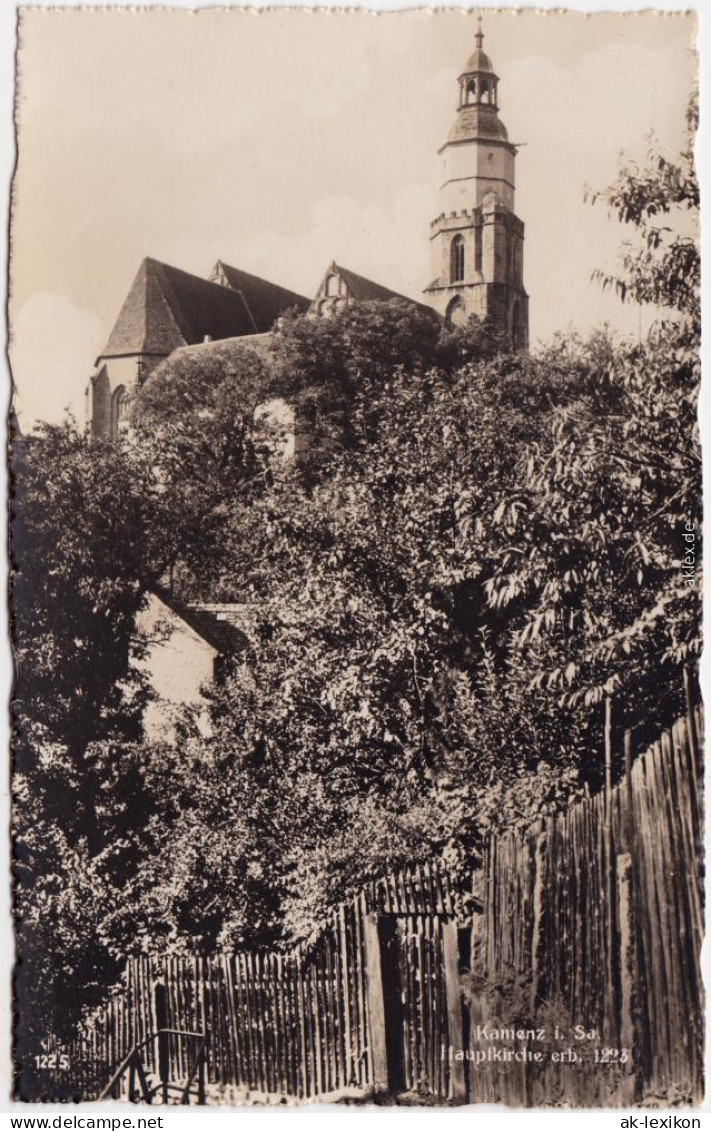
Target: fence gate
[{"x": 422, "y": 1008}]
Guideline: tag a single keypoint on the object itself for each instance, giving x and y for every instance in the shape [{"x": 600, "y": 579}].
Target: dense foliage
[{"x": 476, "y": 549}]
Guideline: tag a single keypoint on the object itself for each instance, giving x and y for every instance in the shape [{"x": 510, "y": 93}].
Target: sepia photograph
[{"x": 356, "y": 558}]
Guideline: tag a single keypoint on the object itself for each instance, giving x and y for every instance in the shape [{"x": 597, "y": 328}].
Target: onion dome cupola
[
  {"x": 478, "y": 109},
  {"x": 478, "y": 81}
]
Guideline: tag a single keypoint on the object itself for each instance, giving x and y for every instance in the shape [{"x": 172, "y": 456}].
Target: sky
[{"x": 281, "y": 140}]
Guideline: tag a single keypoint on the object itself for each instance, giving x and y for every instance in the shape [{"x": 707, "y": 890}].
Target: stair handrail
[{"x": 133, "y": 1060}]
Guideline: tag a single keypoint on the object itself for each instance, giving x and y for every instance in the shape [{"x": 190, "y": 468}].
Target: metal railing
[{"x": 139, "y": 1083}]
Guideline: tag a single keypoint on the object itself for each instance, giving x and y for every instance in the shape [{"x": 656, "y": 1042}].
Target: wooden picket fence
[
  {"x": 591, "y": 919},
  {"x": 304, "y": 1024},
  {"x": 595, "y": 919}
]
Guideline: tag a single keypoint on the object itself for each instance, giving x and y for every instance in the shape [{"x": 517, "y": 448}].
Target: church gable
[
  {"x": 340, "y": 286},
  {"x": 263, "y": 300}
]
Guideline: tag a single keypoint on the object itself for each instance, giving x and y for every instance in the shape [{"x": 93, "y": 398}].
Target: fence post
[
  {"x": 688, "y": 694},
  {"x": 453, "y": 990},
  {"x": 376, "y": 1005},
  {"x": 628, "y": 997},
  {"x": 608, "y": 749},
  {"x": 538, "y": 940},
  {"x": 201, "y": 1077},
  {"x": 161, "y": 999},
  {"x": 480, "y": 1090},
  {"x": 629, "y": 829},
  {"x": 482, "y": 1084},
  {"x": 613, "y": 1013}
]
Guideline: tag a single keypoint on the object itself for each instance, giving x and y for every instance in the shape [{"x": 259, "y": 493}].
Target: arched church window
[
  {"x": 122, "y": 406},
  {"x": 333, "y": 285},
  {"x": 119, "y": 411},
  {"x": 456, "y": 314},
  {"x": 329, "y": 307},
  {"x": 456, "y": 260}
]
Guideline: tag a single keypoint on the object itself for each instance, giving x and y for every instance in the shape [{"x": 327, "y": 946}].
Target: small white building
[{"x": 183, "y": 649}]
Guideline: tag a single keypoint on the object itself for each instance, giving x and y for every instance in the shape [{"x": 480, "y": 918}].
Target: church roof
[
  {"x": 167, "y": 308},
  {"x": 265, "y": 301},
  {"x": 225, "y": 349}
]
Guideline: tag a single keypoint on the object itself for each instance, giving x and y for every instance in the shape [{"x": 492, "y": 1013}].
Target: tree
[
  {"x": 591, "y": 545},
  {"x": 376, "y": 695},
  {"x": 95, "y": 526},
  {"x": 664, "y": 268},
  {"x": 86, "y": 543},
  {"x": 364, "y": 341}
]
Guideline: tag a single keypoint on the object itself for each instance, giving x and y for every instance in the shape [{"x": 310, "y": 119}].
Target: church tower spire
[{"x": 477, "y": 240}]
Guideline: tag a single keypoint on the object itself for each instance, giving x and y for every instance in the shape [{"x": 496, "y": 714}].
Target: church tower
[{"x": 477, "y": 240}]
